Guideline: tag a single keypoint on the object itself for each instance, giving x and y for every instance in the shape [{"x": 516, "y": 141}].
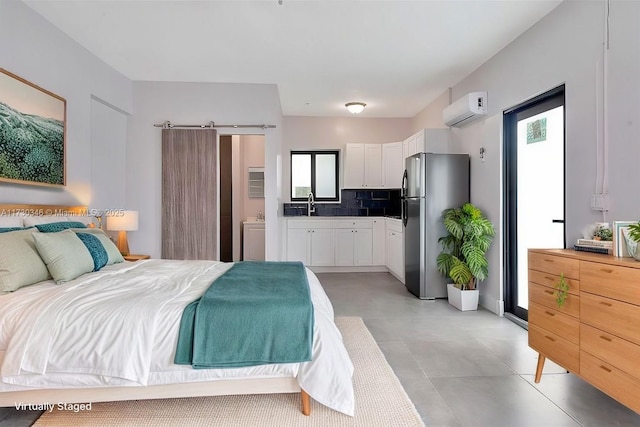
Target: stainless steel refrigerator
[{"x": 431, "y": 184}]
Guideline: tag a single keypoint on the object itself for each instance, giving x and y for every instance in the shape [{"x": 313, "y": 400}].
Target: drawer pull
[
  {"x": 549, "y": 313},
  {"x": 550, "y": 338},
  {"x": 605, "y": 338},
  {"x": 606, "y": 270},
  {"x": 608, "y": 304},
  {"x": 550, "y": 292},
  {"x": 548, "y": 260},
  {"x": 605, "y": 368}
]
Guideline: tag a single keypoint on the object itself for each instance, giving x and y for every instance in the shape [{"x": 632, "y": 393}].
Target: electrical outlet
[{"x": 599, "y": 202}]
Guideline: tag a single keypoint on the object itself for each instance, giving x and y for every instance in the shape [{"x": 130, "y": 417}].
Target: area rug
[{"x": 380, "y": 401}]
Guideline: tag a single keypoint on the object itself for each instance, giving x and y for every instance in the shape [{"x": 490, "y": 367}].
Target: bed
[{"x": 110, "y": 335}]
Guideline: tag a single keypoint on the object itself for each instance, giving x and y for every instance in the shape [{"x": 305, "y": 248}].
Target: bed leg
[{"x": 306, "y": 403}]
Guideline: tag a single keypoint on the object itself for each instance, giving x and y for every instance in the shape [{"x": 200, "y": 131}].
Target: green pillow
[
  {"x": 65, "y": 255},
  {"x": 20, "y": 264},
  {"x": 112, "y": 250}
]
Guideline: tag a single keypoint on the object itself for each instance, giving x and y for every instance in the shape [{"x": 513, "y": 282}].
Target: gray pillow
[
  {"x": 65, "y": 255},
  {"x": 20, "y": 263}
]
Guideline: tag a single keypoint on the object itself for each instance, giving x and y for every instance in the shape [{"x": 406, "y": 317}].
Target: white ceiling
[{"x": 397, "y": 56}]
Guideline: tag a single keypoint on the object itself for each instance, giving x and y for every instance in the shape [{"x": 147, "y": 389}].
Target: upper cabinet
[
  {"x": 392, "y": 165},
  {"x": 427, "y": 141},
  {"x": 373, "y": 165}
]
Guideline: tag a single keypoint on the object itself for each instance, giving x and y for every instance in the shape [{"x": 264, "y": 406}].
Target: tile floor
[
  {"x": 459, "y": 368},
  {"x": 467, "y": 368}
]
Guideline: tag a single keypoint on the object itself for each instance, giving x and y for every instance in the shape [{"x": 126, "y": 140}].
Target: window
[{"x": 315, "y": 172}]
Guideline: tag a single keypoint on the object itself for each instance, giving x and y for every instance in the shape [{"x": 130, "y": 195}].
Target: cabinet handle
[
  {"x": 549, "y": 313},
  {"x": 608, "y": 304},
  {"x": 550, "y": 338},
  {"x": 605, "y": 368},
  {"x": 548, "y": 260},
  {"x": 606, "y": 270},
  {"x": 605, "y": 338},
  {"x": 550, "y": 278},
  {"x": 550, "y": 292}
]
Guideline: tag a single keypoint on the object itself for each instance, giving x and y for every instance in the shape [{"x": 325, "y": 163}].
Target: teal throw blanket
[{"x": 256, "y": 313}]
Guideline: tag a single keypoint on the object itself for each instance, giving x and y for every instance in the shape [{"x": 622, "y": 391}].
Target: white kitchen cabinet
[
  {"x": 395, "y": 248},
  {"x": 363, "y": 166},
  {"x": 427, "y": 141},
  {"x": 379, "y": 242},
  {"x": 354, "y": 242},
  {"x": 392, "y": 165},
  {"x": 354, "y": 166},
  {"x": 373, "y": 165},
  {"x": 311, "y": 242}
]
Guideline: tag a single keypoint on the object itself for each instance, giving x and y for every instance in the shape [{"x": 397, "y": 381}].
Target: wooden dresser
[{"x": 595, "y": 334}]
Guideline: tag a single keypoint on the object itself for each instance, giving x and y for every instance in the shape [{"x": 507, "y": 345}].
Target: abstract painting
[{"x": 32, "y": 133}]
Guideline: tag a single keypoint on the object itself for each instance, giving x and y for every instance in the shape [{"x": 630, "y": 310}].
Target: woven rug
[{"x": 380, "y": 401}]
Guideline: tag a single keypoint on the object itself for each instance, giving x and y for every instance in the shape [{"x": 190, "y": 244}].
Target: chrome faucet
[{"x": 311, "y": 207}]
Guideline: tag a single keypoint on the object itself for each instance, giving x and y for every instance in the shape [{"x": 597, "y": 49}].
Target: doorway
[
  {"x": 240, "y": 156},
  {"x": 534, "y": 147}
]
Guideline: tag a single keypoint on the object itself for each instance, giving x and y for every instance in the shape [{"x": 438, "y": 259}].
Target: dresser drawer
[
  {"x": 551, "y": 320},
  {"x": 554, "y": 265},
  {"x": 617, "y": 384},
  {"x": 353, "y": 223},
  {"x": 561, "y": 351},
  {"x": 616, "y": 317},
  {"x": 547, "y": 297},
  {"x": 551, "y": 280},
  {"x": 613, "y": 281},
  {"x": 611, "y": 349}
]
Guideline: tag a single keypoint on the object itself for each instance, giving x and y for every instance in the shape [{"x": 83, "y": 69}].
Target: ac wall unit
[{"x": 465, "y": 110}]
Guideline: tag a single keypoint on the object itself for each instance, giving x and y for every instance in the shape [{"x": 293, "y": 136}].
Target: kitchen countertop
[{"x": 340, "y": 217}]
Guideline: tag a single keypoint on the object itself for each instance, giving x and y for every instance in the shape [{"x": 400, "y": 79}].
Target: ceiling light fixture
[{"x": 355, "y": 107}]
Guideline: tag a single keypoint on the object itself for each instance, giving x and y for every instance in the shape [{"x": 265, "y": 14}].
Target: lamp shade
[
  {"x": 125, "y": 221},
  {"x": 355, "y": 107}
]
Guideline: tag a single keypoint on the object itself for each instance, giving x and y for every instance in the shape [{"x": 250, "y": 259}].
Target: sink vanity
[{"x": 253, "y": 240}]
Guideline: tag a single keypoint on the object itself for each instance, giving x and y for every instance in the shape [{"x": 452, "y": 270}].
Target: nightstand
[{"x": 132, "y": 257}]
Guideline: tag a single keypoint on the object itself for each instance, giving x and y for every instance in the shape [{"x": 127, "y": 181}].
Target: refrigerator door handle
[
  {"x": 405, "y": 180},
  {"x": 405, "y": 215}
]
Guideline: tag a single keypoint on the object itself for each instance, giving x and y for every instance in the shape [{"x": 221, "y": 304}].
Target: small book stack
[{"x": 595, "y": 246}]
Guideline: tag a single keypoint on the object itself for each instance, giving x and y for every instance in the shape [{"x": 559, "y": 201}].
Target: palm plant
[{"x": 463, "y": 257}]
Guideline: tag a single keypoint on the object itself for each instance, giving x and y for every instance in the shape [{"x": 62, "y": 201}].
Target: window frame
[{"x": 313, "y": 154}]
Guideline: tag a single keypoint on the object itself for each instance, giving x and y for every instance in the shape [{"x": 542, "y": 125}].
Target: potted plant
[
  {"x": 463, "y": 257},
  {"x": 632, "y": 237}
]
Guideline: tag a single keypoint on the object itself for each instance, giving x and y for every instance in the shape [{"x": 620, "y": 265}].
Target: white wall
[
  {"x": 431, "y": 115},
  {"x": 566, "y": 47},
  {"x": 35, "y": 50},
  {"x": 312, "y": 133},
  {"x": 195, "y": 103}
]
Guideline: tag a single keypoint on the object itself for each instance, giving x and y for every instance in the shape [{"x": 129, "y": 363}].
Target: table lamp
[{"x": 123, "y": 222}]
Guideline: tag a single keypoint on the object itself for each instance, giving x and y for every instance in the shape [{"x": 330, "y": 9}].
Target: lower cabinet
[
  {"x": 353, "y": 242},
  {"x": 394, "y": 256},
  {"x": 311, "y": 242}
]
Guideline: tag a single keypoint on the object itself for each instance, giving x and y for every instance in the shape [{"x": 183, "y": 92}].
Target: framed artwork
[
  {"x": 619, "y": 243},
  {"x": 32, "y": 133}
]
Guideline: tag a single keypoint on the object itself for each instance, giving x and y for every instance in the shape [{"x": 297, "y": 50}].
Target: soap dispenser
[{"x": 260, "y": 216}]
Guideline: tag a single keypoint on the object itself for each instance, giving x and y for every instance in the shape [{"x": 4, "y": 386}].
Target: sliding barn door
[{"x": 189, "y": 194}]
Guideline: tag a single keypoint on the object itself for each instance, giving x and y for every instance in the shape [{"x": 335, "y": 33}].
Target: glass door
[{"x": 534, "y": 146}]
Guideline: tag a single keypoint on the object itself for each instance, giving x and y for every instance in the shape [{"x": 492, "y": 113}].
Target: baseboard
[{"x": 351, "y": 269}]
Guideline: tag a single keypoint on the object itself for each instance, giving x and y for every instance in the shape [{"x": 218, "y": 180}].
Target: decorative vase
[
  {"x": 463, "y": 300},
  {"x": 632, "y": 246}
]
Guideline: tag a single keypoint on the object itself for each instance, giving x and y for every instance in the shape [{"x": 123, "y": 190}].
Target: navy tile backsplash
[{"x": 353, "y": 203}]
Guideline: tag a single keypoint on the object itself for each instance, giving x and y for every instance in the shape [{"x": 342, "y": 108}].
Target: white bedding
[{"x": 119, "y": 327}]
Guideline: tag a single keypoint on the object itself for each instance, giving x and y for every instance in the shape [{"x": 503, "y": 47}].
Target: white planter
[{"x": 463, "y": 300}]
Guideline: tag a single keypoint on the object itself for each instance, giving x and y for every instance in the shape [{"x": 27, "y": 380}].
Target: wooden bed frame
[{"x": 108, "y": 394}]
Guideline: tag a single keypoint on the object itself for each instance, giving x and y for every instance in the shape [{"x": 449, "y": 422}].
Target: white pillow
[
  {"x": 65, "y": 255},
  {"x": 85, "y": 219},
  {"x": 30, "y": 221},
  {"x": 7, "y": 221},
  {"x": 20, "y": 263}
]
